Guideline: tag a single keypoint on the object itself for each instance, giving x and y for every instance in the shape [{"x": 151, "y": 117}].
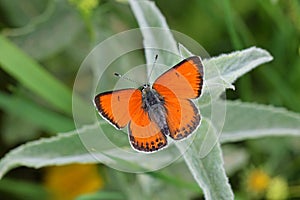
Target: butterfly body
[
  {"x": 153, "y": 104},
  {"x": 156, "y": 111}
]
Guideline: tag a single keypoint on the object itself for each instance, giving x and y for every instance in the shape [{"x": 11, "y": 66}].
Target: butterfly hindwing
[
  {"x": 182, "y": 115},
  {"x": 147, "y": 139},
  {"x": 114, "y": 106},
  {"x": 183, "y": 123},
  {"x": 144, "y": 134}
]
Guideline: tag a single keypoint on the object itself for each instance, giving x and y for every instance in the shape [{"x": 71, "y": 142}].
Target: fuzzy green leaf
[
  {"x": 251, "y": 120},
  {"x": 62, "y": 149},
  {"x": 209, "y": 171},
  {"x": 234, "y": 65},
  {"x": 68, "y": 148},
  {"x": 158, "y": 39},
  {"x": 223, "y": 70}
]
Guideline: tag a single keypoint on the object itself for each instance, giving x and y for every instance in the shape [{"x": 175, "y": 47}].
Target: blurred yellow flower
[
  {"x": 257, "y": 181},
  {"x": 278, "y": 189},
  {"x": 68, "y": 181}
]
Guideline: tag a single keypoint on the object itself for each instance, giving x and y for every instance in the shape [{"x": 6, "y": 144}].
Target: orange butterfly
[{"x": 153, "y": 112}]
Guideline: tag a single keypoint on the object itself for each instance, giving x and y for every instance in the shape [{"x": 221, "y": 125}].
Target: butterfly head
[{"x": 145, "y": 88}]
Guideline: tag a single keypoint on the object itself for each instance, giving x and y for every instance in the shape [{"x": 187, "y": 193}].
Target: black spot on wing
[{"x": 140, "y": 144}]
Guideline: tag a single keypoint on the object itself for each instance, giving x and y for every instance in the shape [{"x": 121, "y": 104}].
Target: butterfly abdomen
[{"x": 153, "y": 104}]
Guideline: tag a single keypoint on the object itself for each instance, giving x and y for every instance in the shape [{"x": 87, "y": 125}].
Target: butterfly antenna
[
  {"x": 126, "y": 78},
  {"x": 155, "y": 59}
]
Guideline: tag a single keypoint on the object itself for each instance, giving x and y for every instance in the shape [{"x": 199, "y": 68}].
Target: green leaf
[
  {"x": 235, "y": 158},
  {"x": 251, "y": 120},
  {"x": 153, "y": 188},
  {"x": 209, "y": 171},
  {"x": 32, "y": 76},
  {"x": 174, "y": 180},
  {"x": 62, "y": 149},
  {"x": 158, "y": 39},
  {"x": 45, "y": 118},
  {"x": 22, "y": 190},
  {"x": 234, "y": 65},
  {"x": 68, "y": 148},
  {"x": 105, "y": 195},
  {"x": 222, "y": 71}
]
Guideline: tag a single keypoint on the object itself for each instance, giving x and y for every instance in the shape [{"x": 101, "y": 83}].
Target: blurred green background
[{"x": 59, "y": 34}]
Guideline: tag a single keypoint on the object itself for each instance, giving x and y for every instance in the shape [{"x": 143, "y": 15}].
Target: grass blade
[
  {"x": 22, "y": 189},
  {"x": 40, "y": 116},
  {"x": 32, "y": 76}
]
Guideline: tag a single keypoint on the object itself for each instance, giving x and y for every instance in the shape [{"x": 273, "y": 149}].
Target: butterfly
[{"x": 153, "y": 112}]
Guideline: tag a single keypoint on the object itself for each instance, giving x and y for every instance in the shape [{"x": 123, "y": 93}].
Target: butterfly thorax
[{"x": 153, "y": 104}]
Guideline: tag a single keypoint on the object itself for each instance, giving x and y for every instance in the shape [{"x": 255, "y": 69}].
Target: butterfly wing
[
  {"x": 182, "y": 124},
  {"x": 177, "y": 86},
  {"x": 182, "y": 115},
  {"x": 185, "y": 79},
  {"x": 114, "y": 106},
  {"x": 125, "y": 106},
  {"x": 144, "y": 134}
]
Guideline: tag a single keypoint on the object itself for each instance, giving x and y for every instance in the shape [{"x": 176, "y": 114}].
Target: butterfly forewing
[
  {"x": 114, "y": 106},
  {"x": 185, "y": 79}
]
